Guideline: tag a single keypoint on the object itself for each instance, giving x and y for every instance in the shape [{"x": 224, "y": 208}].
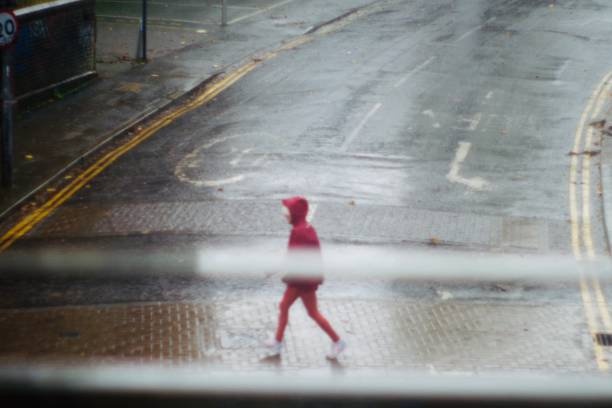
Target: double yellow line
[
  {"x": 32, "y": 219},
  {"x": 581, "y": 233}
]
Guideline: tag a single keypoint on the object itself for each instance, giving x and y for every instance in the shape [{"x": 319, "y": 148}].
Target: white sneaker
[
  {"x": 274, "y": 347},
  {"x": 336, "y": 348}
]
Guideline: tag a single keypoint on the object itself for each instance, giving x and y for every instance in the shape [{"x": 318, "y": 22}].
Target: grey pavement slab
[{"x": 335, "y": 222}]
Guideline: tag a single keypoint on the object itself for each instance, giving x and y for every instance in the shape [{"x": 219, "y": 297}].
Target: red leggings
[{"x": 309, "y": 298}]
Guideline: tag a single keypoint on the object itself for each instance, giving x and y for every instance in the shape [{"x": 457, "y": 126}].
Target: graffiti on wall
[{"x": 55, "y": 46}]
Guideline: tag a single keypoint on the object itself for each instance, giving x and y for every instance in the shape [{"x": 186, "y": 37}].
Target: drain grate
[{"x": 604, "y": 339}]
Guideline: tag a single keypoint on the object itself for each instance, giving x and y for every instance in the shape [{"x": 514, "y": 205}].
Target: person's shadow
[
  {"x": 271, "y": 360},
  {"x": 336, "y": 366}
]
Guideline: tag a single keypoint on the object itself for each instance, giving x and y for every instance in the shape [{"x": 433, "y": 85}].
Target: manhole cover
[{"x": 604, "y": 339}]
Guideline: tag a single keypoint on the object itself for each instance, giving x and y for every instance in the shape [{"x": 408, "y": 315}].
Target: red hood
[{"x": 298, "y": 208}]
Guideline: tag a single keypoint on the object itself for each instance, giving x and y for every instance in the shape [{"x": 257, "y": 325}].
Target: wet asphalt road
[
  {"x": 427, "y": 121},
  {"x": 460, "y": 110}
]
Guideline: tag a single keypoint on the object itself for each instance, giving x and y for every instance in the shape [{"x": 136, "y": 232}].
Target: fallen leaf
[
  {"x": 352, "y": 203},
  {"x": 599, "y": 124},
  {"x": 29, "y": 156},
  {"x": 592, "y": 152},
  {"x": 220, "y": 189},
  {"x": 68, "y": 177},
  {"x": 434, "y": 241}
]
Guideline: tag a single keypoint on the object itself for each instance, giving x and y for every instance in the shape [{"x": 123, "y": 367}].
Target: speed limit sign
[{"x": 8, "y": 28}]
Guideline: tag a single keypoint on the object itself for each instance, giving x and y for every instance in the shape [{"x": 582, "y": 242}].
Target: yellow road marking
[
  {"x": 593, "y": 109},
  {"x": 602, "y": 304},
  {"x": 587, "y": 232},
  {"x": 32, "y": 219},
  {"x": 574, "y": 179},
  {"x": 602, "y": 363},
  {"x": 67, "y": 192}
]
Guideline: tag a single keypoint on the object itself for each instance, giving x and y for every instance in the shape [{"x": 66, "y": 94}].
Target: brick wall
[{"x": 56, "y": 45}]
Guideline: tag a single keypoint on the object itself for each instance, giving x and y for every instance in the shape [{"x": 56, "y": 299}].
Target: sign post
[
  {"x": 223, "y": 13},
  {"x": 8, "y": 33},
  {"x": 141, "y": 52}
]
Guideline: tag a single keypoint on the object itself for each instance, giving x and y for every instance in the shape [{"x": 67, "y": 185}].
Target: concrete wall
[{"x": 55, "y": 47}]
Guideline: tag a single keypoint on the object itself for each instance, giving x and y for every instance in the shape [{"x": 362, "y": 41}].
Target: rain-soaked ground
[
  {"x": 428, "y": 123},
  {"x": 416, "y": 114}
]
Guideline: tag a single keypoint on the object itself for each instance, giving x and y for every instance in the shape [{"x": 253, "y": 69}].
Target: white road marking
[
  {"x": 236, "y": 161},
  {"x": 445, "y": 295},
  {"x": 473, "y": 30},
  {"x": 218, "y": 183},
  {"x": 311, "y": 212},
  {"x": 414, "y": 71},
  {"x": 272, "y": 7},
  {"x": 472, "y": 122},
  {"x": 358, "y": 155},
  {"x": 475, "y": 183},
  {"x": 489, "y": 95},
  {"x": 560, "y": 72},
  {"x": 356, "y": 131},
  {"x": 429, "y": 113},
  {"x": 194, "y": 160},
  {"x": 258, "y": 161},
  {"x": 475, "y": 121}
]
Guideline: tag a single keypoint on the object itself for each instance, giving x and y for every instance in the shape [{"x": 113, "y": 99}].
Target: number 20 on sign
[{"x": 8, "y": 28}]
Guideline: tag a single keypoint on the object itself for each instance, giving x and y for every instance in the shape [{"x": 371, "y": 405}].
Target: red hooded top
[{"x": 303, "y": 237}]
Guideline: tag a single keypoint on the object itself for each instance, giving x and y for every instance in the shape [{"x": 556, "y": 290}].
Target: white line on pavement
[
  {"x": 472, "y": 122},
  {"x": 356, "y": 131},
  {"x": 453, "y": 176},
  {"x": 473, "y": 30},
  {"x": 263, "y": 10},
  {"x": 414, "y": 71}
]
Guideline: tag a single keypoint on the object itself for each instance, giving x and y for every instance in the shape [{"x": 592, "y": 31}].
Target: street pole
[
  {"x": 143, "y": 31},
  {"x": 8, "y": 104},
  {"x": 223, "y": 13}
]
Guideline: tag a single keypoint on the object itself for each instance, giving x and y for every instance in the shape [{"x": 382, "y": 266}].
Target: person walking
[{"x": 304, "y": 238}]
